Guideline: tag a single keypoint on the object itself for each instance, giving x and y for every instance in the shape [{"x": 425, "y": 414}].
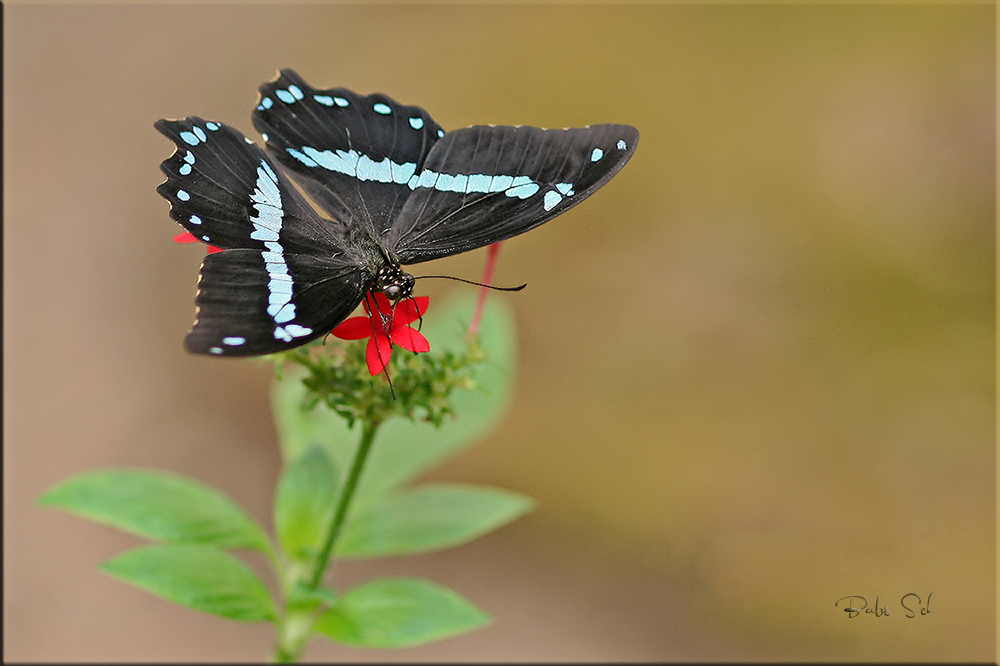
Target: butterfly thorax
[{"x": 389, "y": 277}]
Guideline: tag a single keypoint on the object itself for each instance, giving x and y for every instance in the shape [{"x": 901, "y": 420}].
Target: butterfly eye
[{"x": 393, "y": 292}]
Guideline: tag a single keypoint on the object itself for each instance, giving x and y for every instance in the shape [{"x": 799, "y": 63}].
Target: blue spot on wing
[{"x": 522, "y": 191}]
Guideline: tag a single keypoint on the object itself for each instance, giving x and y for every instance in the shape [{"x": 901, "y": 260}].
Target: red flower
[
  {"x": 387, "y": 325},
  {"x": 188, "y": 237}
]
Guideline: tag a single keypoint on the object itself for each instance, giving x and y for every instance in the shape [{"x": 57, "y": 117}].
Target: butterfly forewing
[
  {"x": 484, "y": 184},
  {"x": 285, "y": 275},
  {"x": 227, "y": 192},
  {"x": 355, "y": 155}
]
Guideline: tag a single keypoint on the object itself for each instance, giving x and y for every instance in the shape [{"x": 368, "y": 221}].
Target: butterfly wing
[
  {"x": 355, "y": 155},
  {"x": 245, "y": 309},
  {"x": 484, "y": 184},
  {"x": 285, "y": 275}
]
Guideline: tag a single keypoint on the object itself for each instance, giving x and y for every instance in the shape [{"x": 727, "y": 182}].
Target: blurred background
[{"x": 756, "y": 370}]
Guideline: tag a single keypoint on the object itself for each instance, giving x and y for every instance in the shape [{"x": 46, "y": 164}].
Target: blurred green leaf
[
  {"x": 200, "y": 577},
  {"x": 399, "y": 612},
  {"x": 304, "y": 503},
  {"x": 158, "y": 505},
  {"x": 430, "y": 517},
  {"x": 404, "y": 449},
  {"x": 300, "y": 430}
]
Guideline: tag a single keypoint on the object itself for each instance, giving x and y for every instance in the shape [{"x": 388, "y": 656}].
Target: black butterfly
[{"x": 399, "y": 189}]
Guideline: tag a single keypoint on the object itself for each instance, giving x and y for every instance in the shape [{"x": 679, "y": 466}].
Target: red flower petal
[
  {"x": 188, "y": 237},
  {"x": 354, "y": 328},
  {"x": 411, "y": 339},
  {"x": 410, "y": 310},
  {"x": 381, "y": 303},
  {"x": 377, "y": 354}
]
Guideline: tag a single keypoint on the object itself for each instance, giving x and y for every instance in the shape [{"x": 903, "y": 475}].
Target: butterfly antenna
[{"x": 478, "y": 284}]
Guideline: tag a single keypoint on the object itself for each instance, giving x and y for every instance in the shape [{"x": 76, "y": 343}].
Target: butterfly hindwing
[
  {"x": 285, "y": 275},
  {"x": 484, "y": 184},
  {"x": 239, "y": 303},
  {"x": 355, "y": 155}
]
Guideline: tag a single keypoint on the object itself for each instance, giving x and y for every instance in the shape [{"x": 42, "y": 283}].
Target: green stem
[
  {"x": 293, "y": 632},
  {"x": 296, "y": 626},
  {"x": 346, "y": 495}
]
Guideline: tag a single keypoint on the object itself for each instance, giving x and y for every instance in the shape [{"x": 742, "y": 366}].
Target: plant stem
[
  {"x": 491, "y": 262},
  {"x": 293, "y": 632},
  {"x": 368, "y": 430}
]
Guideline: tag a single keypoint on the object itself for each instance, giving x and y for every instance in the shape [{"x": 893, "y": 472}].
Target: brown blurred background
[{"x": 756, "y": 370}]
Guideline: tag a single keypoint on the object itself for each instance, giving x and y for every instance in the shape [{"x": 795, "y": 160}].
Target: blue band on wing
[
  {"x": 267, "y": 227},
  {"x": 356, "y": 165}
]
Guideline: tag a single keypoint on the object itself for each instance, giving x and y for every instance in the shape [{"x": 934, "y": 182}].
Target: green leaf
[
  {"x": 200, "y": 577},
  {"x": 160, "y": 506},
  {"x": 430, "y": 517},
  {"x": 399, "y": 612},
  {"x": 299, "y": 430},
  {"x": 404, "y": 449},
  {"x": 304, "y": 503}
]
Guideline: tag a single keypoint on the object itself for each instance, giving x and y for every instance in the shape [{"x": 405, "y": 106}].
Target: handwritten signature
[{"x": 911, "y": 602}]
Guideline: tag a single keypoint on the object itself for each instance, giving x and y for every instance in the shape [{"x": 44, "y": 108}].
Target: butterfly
[{"x": 396, "y": 189}]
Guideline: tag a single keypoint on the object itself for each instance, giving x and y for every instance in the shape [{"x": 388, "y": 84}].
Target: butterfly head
[{"x": 394, "y": 283}]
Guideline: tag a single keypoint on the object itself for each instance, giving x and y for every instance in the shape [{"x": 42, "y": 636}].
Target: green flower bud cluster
[{"x": 418, "y": 386}]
